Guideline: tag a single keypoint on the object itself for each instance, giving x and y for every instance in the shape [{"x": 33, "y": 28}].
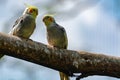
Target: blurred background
[{"x": 91, "y": 25}]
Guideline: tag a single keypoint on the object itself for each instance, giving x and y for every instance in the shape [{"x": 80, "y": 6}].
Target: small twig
[{"x": 83, "y": 75}]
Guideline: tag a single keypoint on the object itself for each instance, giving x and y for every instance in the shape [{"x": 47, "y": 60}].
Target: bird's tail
[{"x": 63, "y": 76}]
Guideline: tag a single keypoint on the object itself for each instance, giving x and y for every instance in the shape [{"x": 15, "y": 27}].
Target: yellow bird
[
  {"x": 57, "y": 37},
  {"x": 25, "y": 25}
]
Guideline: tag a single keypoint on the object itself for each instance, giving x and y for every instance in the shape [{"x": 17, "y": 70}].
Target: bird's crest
[
  {"x": 52, "y": 15},
  {"x": 29, "y": 6}
]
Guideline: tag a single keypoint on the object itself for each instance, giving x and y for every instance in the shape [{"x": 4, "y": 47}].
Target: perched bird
[
  {"x": 56, "y": 36},
  {"x": 25, "y": 25}
]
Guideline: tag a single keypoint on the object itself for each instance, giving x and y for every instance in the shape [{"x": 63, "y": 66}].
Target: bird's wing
[
  {"x": 20, "y": 19},
  {"x": 65, "y": 34}
]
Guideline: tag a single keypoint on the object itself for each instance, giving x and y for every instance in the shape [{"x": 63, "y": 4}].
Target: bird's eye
[
  {"x": 47, "y": 17},
  {"x": 30, "y": 10},
  {"x": 34, "y": 10}
]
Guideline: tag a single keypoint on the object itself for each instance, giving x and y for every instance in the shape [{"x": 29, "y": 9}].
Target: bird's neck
[
  {"x": 48, "y": 24},
  {"x": 32, "y": 15}
]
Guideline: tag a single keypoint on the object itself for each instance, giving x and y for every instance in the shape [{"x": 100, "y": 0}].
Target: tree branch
[{"x": 67, "y": 61}]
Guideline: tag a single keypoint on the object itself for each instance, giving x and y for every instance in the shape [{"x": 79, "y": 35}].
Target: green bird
[
  {"x": 57, "y": 37},
  {"x": 25, "y": 25}
]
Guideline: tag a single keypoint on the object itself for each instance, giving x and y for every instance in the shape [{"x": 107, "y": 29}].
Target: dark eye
[
  {"x": 48, "y": 17},
  {"x": 34, "y": 10}
]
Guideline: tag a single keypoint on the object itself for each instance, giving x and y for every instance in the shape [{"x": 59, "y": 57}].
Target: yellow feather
[
  {"x": 30, "y": 6},
  {"x": 52, "y": 15}
]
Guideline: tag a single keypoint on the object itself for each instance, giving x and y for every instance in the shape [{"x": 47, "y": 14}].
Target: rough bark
[{"x": 67, "y": 61}]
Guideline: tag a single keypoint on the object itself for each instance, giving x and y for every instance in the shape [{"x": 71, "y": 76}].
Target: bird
[
  {"x": 25, "y": 25},
  {"x": 56, "y": 37}
]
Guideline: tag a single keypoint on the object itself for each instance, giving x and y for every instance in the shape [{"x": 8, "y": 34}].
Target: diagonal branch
[{"x": 67, "y": 61}]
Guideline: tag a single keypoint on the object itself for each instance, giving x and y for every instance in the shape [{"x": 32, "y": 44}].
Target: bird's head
[
  {"x": 48, "y": 20},
  {"x": 32, "y": 10}
]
